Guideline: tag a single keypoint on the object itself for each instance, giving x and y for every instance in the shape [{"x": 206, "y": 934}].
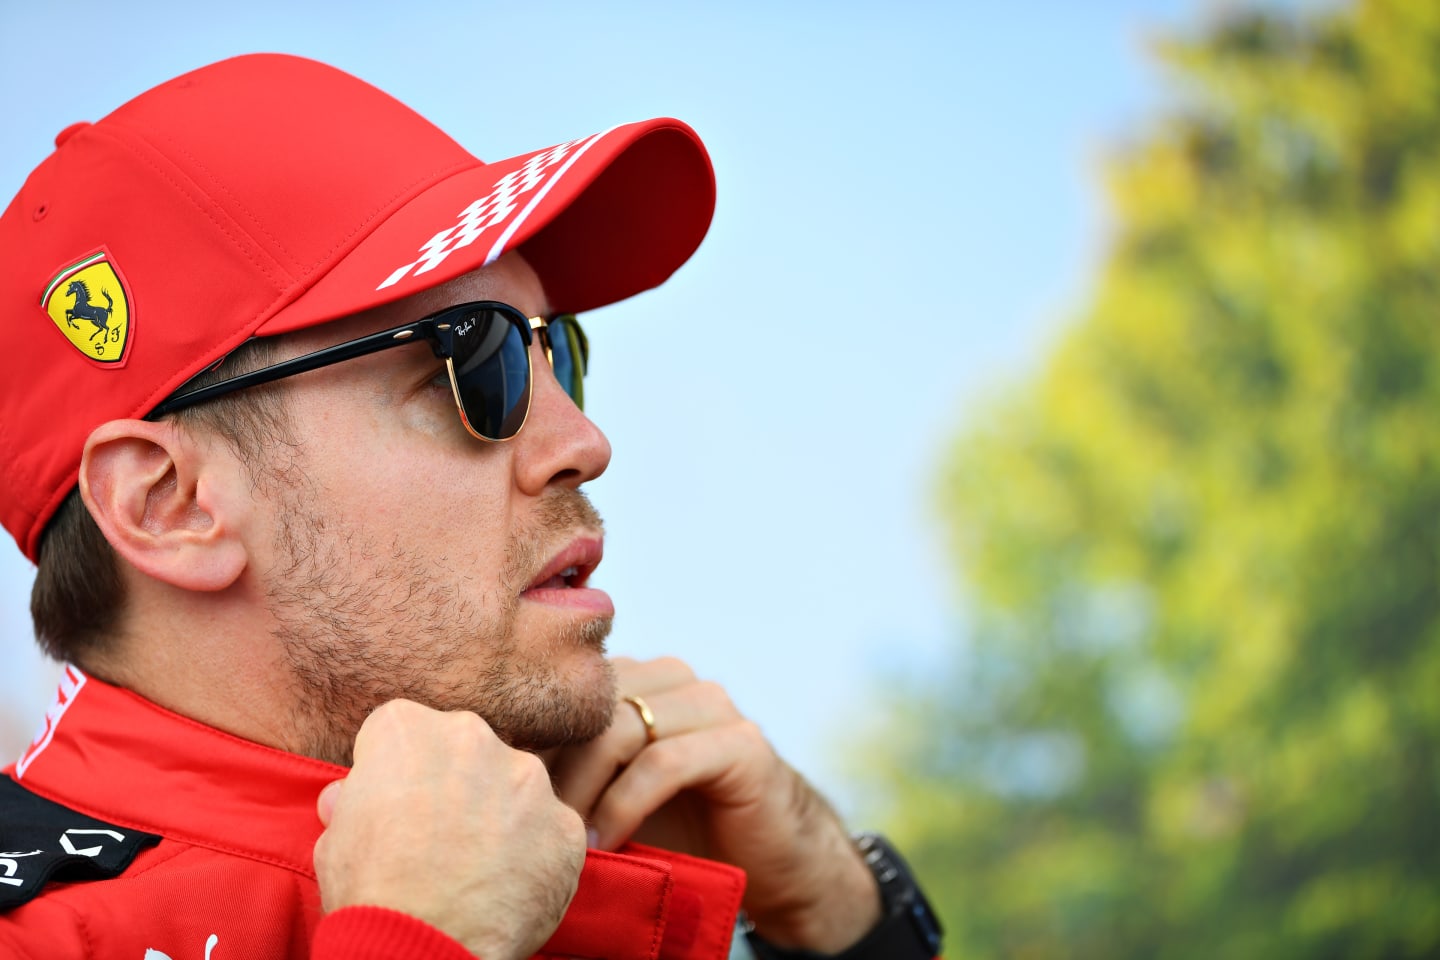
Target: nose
[{"x": 559, "y": 445}]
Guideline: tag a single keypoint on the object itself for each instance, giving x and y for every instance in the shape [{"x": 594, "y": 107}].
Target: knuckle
[
  {"x": 392, "y": 711},
  {"x": 466, "y": 739},
  {"x": 467, "y": 729},
  {"x": 386, "y": 723},
  {"x": 751, "y": 735},
  {"x": 571, "y": 825},
  {"x": 530, "y": 771},
  {"x": 674, "y": 667},
  {"x": 467, "y": 721},
  {"x": 662, "y": 760},
  {"x": 715, "y": 696}
]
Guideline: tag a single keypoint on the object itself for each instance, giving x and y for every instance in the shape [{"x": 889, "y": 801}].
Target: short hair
[{"x": 79, "y": 594}]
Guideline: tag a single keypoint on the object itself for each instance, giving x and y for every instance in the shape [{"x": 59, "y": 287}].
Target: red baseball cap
[{"x": 270, "y": 193}]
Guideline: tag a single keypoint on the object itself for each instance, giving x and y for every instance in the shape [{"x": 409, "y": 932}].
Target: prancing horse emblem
[
  {"x": 85, "y": 310},
  {"x": 101, "y": 332}
]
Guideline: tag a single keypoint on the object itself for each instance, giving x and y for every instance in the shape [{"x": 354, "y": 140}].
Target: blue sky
[{"x": 909, "y": 210}]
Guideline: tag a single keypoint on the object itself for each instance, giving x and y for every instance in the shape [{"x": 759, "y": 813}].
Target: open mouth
[
  {"x": 565, "y": 579},
  {"x": 564, "y": 582},
  {"x": 570, "y": 569}
]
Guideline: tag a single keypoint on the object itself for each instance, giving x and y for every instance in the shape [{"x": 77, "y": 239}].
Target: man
[{"x": 291, "y": 422}]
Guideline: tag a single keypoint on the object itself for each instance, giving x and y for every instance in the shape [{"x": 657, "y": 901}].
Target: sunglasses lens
[
  {"x": 569, "y": 355},
  {"x": 491, "y": 367}
]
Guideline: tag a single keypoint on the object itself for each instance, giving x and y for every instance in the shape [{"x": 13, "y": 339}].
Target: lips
[
  {"x": 572, "y": 566},
  {"x": 563, "y": 581}
]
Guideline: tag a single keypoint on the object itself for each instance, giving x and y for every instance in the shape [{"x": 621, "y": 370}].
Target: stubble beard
[{"x": 411, "y": 630}]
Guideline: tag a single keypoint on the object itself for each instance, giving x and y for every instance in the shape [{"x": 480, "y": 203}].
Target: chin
[{"x": 564, "y": 697}]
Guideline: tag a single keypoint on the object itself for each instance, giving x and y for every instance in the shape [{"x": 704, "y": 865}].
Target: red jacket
[{"x": 231, "y": 878}]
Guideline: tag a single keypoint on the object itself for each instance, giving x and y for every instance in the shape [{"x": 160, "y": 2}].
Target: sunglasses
[{"x": 485, "y": 346}]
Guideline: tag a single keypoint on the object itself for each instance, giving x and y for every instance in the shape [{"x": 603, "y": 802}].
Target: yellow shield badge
[{"x": 88, "y": 302}]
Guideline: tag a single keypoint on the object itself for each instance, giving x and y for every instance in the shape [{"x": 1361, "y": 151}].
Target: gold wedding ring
[{"x": 646, "y": 717}]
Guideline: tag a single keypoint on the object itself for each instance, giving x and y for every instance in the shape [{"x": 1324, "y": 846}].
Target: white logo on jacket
[
  {"x": 153, "y": 954},
  {"x": 9, "y": 864},
  {"x": 70, "y": 847}
]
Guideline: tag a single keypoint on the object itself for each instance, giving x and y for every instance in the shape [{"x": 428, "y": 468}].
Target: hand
[
  {"x": 712, "y": 785},
  {"x": 441, "y": 820}
]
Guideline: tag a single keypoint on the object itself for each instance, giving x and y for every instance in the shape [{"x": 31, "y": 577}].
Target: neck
[{"x": 217, "y": 665}]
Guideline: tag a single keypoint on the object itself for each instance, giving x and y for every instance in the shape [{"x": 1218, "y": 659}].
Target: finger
[
  {"x": 644, "y": 677},
  {"x": 677, "y": 711},
  {"x": 319, "y": 858},
  {"x": 325, "y": 802},
  {"x": 581, "y": 775},
  {"x": 719, "y": 762},
  {"x": 386, "y": 721}
]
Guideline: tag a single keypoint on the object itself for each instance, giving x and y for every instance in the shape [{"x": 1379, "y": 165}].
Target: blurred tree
[{"x": 1199, "y": 714}]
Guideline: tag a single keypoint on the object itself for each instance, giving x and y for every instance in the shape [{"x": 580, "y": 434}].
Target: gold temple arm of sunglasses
[{"x": 539, "y": 323}]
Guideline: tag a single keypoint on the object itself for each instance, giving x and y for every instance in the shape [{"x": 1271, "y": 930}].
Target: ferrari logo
[{"x": 87, "y": 301}]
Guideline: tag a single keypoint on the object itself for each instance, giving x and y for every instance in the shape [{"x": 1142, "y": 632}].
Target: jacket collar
[{"x": 112, "y": 755}]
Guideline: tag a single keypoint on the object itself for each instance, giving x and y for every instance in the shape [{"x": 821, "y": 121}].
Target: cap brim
[{"x": 599, "y": 219}]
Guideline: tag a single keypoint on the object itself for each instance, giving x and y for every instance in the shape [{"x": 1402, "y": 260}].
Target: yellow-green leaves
[{"x": 1203, "y": 542}]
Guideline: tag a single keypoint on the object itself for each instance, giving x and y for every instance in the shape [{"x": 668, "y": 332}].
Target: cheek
[
  {"x": 413, "y": 492},
  {"x": 405, "y": 472}
]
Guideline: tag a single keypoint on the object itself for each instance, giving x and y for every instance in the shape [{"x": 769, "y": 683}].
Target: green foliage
[{"x": 1199, "y": 715}]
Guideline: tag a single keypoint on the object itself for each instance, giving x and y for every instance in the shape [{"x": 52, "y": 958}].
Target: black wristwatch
[{"x": 908, "y": 929}]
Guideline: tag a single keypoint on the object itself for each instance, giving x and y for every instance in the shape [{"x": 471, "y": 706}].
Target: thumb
[{"x": 325, "y": 802}]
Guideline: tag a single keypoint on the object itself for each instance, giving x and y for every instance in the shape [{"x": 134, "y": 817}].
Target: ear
[{"x": 165, "y": 501}]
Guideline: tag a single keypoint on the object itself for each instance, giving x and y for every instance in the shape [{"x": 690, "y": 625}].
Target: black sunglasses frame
[{"x": 438, "y": 329}]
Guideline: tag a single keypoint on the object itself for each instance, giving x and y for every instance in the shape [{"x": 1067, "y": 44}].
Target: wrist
[
  {"x": 906, "y": 929},
  {"x": 840, "y": 907}
]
